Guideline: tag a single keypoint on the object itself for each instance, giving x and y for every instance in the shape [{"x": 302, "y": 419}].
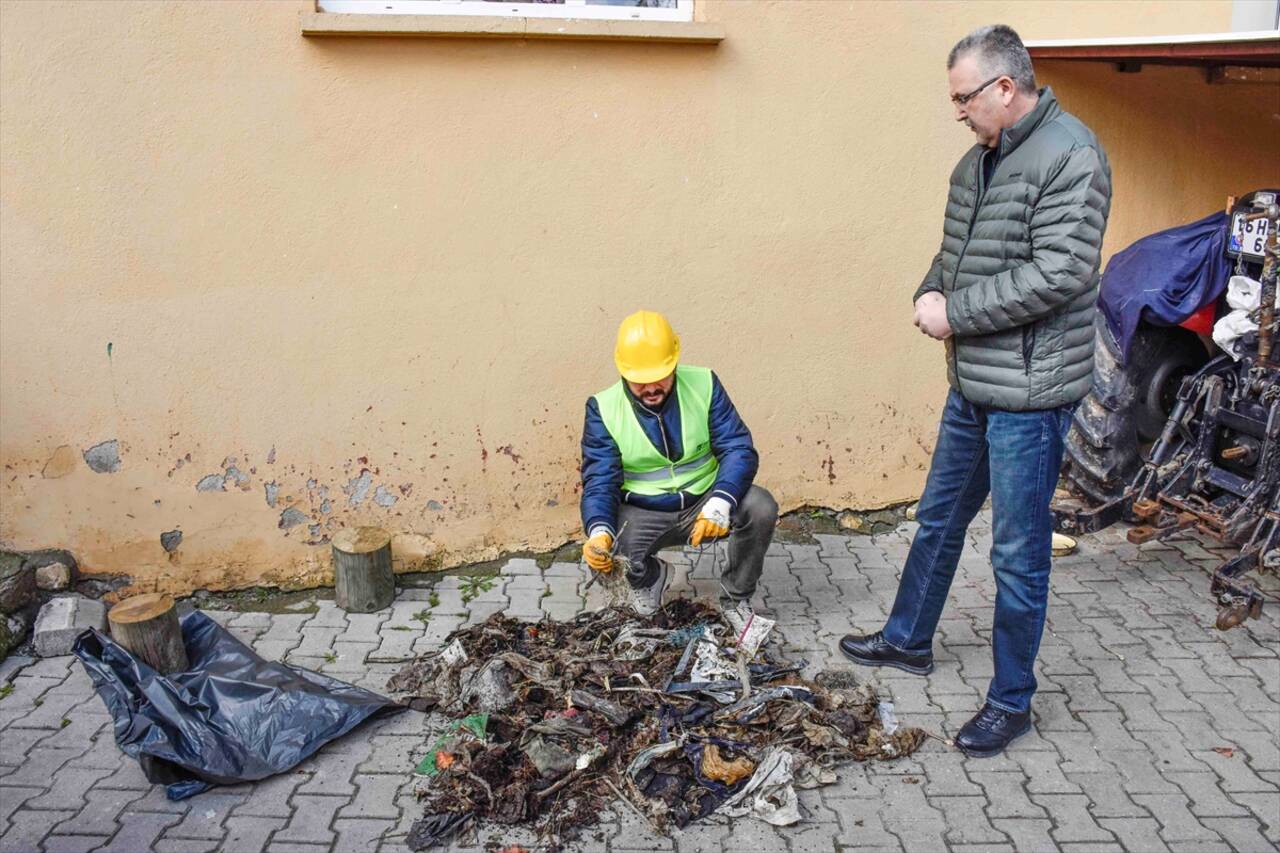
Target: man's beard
[{"x": 653, "y": 401}]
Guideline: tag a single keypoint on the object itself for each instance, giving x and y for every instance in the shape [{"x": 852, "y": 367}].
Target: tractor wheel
[{"x": 1115, "y": 425}]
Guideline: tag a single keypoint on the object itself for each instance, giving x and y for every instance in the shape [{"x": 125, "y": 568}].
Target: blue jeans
[{"x": 1014, "y": 457}]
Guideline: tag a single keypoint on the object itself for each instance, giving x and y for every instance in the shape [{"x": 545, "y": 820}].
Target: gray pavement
[{"x": 1154, "y": 731}]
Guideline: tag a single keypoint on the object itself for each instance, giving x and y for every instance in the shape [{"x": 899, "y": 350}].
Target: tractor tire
[{"x": 1126, "y": 408}]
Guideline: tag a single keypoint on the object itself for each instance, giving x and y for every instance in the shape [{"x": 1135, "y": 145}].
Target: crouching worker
[{"x": 667, "y": 460}]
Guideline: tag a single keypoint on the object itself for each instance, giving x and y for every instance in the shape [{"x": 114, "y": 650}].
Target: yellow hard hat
[{"x": 648, "y": 348}]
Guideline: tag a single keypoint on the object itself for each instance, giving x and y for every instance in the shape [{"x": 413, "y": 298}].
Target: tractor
[{"x": 1179, "y": 432}]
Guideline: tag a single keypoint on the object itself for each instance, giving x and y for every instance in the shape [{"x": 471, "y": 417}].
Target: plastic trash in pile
[
  {"x": 233, "y": 717},
  {"x": 444, "y": 751},
  {"x": 1244, "y": 295},
  {"x": 649, "y": 715},
  {"x": 1063, "y": 545}
]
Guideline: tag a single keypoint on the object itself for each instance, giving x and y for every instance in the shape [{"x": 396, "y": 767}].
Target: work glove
[
  {"x": 598, "y": 552},
  {"x": 712, "y": 523}
]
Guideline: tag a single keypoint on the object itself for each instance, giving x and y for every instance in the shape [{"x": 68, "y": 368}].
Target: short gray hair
[{"x": 998, "y": 51}]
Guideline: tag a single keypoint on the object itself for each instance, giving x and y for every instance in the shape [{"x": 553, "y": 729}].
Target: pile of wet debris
[{"x": 673, "y": 714}]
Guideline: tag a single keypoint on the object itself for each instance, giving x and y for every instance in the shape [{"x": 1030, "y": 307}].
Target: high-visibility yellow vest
[{"x": 645, "y": 470}]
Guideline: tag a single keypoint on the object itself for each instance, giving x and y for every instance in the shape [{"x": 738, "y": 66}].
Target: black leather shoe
[
  {"x": 991, "y": 731},
  {"x": 872, "y": 650}
]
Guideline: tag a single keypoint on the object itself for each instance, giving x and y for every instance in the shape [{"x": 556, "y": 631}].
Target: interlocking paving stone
[
  {"x": 1006, "y": 795},
  {"x": 12, "y": 800},
  {"x": 1136, "y": 833},
  {"x": 1072, "y": 818},
  {"x": 100, "y": 813},
  {"x": 966, "y": 820},
  {"x": 39, "y": 765},
  {"x": 375, "y": 796},
  {"x": 27, "y": 828},
  {"x": 1177, "y": 823},
  {"x": 155, "y": 799},
  {"x": 73, "y": 843},
  {"x": 311, "y": 819},
  {"x": 271, "y": 797},
  {"x": 250, "y": 834},
  {"x": 16, "y": 743},
  {"x": 291, "y": 847},
  {"x": 204, "y": 820},
  {"x": 70, "y": 785},
  {"x": 127, "y": 776},
  {"x": 361, "y": 834},
  {"x": 1027, "y": 833},
  {"x": 139, "y": 831},
  {"x": 1235, "y": 774},
  {"x": 1137, "y": 690}
]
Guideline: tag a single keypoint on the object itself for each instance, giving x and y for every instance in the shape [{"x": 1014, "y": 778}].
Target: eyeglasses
[{"x": 961, "y": 100}]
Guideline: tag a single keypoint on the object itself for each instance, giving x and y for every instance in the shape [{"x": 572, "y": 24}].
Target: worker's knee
[
  {"x": 634, "y": 548},
  {"x": 759, "y": 506}
]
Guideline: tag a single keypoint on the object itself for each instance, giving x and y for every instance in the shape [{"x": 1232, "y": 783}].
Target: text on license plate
[{"x": 1249, "y": 237}]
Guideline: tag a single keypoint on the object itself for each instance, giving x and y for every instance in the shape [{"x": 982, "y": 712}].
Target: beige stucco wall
[{"x": 225, "y": 245}]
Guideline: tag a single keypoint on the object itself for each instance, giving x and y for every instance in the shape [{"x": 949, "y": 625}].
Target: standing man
[
  {"x": 667, "y": 460},
  {"x": 1011, "y": 293}
]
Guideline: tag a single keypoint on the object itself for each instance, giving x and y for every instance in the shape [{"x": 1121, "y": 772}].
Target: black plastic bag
[
  {"x": 435, "y": 829},
  {"x": 233, "y": 717}
]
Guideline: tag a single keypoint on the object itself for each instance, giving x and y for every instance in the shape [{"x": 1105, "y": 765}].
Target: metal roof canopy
[{"x": 1259, "y": 49}]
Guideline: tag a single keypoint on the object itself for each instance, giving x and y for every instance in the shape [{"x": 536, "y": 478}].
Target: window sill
[{"x": 469, "y": 26}]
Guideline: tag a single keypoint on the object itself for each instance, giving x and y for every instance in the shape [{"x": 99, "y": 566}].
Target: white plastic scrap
[
  {"x": 770, "y": 794},
  {"x": 709, "y": 664},
  {"x": 888, "y": 719},
  {"x": 1243, "y": 297},
  {"x": 754, "y": 634},
  {"x": 636, "y": 643},
  {"x": 585, "y": 759},
  {"x": 646, "y": 756},
  {"x": 453, "y": 654}
]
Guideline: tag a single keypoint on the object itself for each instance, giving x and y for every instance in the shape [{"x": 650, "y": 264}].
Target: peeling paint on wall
[
  {"x": 292, "y": 517},
  {"x": 272, "y": 490},
  {"x": 210, "y": 483},
  {"x": 383, "y": 497},
  {"x": 104, "y": 458},
  {"x": 358, "y": 487},
  {"x": 170, "y": 540}
]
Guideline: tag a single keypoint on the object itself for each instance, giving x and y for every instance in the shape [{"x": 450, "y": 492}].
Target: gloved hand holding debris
[
  {"x": 598, "y": 552},
  {"x": 712, "y": 523}
]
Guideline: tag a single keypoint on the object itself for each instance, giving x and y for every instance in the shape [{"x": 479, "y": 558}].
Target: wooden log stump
[
  {"x": 362, "y": 576},
  {"x": 147, "y": 625}
]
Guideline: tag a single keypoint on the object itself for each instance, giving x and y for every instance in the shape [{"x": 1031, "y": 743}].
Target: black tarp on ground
[{"x": 233, "y": 717}]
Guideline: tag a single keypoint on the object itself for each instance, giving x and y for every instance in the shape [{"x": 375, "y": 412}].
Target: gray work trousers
[{"x": 750, "y": 531}]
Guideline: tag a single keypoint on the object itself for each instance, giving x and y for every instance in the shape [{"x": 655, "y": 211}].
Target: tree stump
[
  {"x": 147, "y": 625},
  {"x": 362, "y": 576}
]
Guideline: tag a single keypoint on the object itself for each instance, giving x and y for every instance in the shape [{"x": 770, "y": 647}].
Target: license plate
[{"x": 1249, "y": 237}]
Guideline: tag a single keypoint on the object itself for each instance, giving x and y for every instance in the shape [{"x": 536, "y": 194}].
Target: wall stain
[
  {"x": 211, "y": 483},
  {"x": 358, "y": 487},
  {"x": 104, "y": 457},
  {"x": 60, "y": 464},
  {"x": 292, "y": 517},
  {"x": 170, "y": 540}
]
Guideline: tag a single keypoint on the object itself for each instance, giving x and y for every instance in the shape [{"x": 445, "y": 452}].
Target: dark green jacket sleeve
[
  {"x": 1066, "y": 231},
  {"x": 932, "y": 279}
]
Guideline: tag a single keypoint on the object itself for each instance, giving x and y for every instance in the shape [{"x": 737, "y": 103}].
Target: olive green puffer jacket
[{"x": 1019, "y": 263}]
